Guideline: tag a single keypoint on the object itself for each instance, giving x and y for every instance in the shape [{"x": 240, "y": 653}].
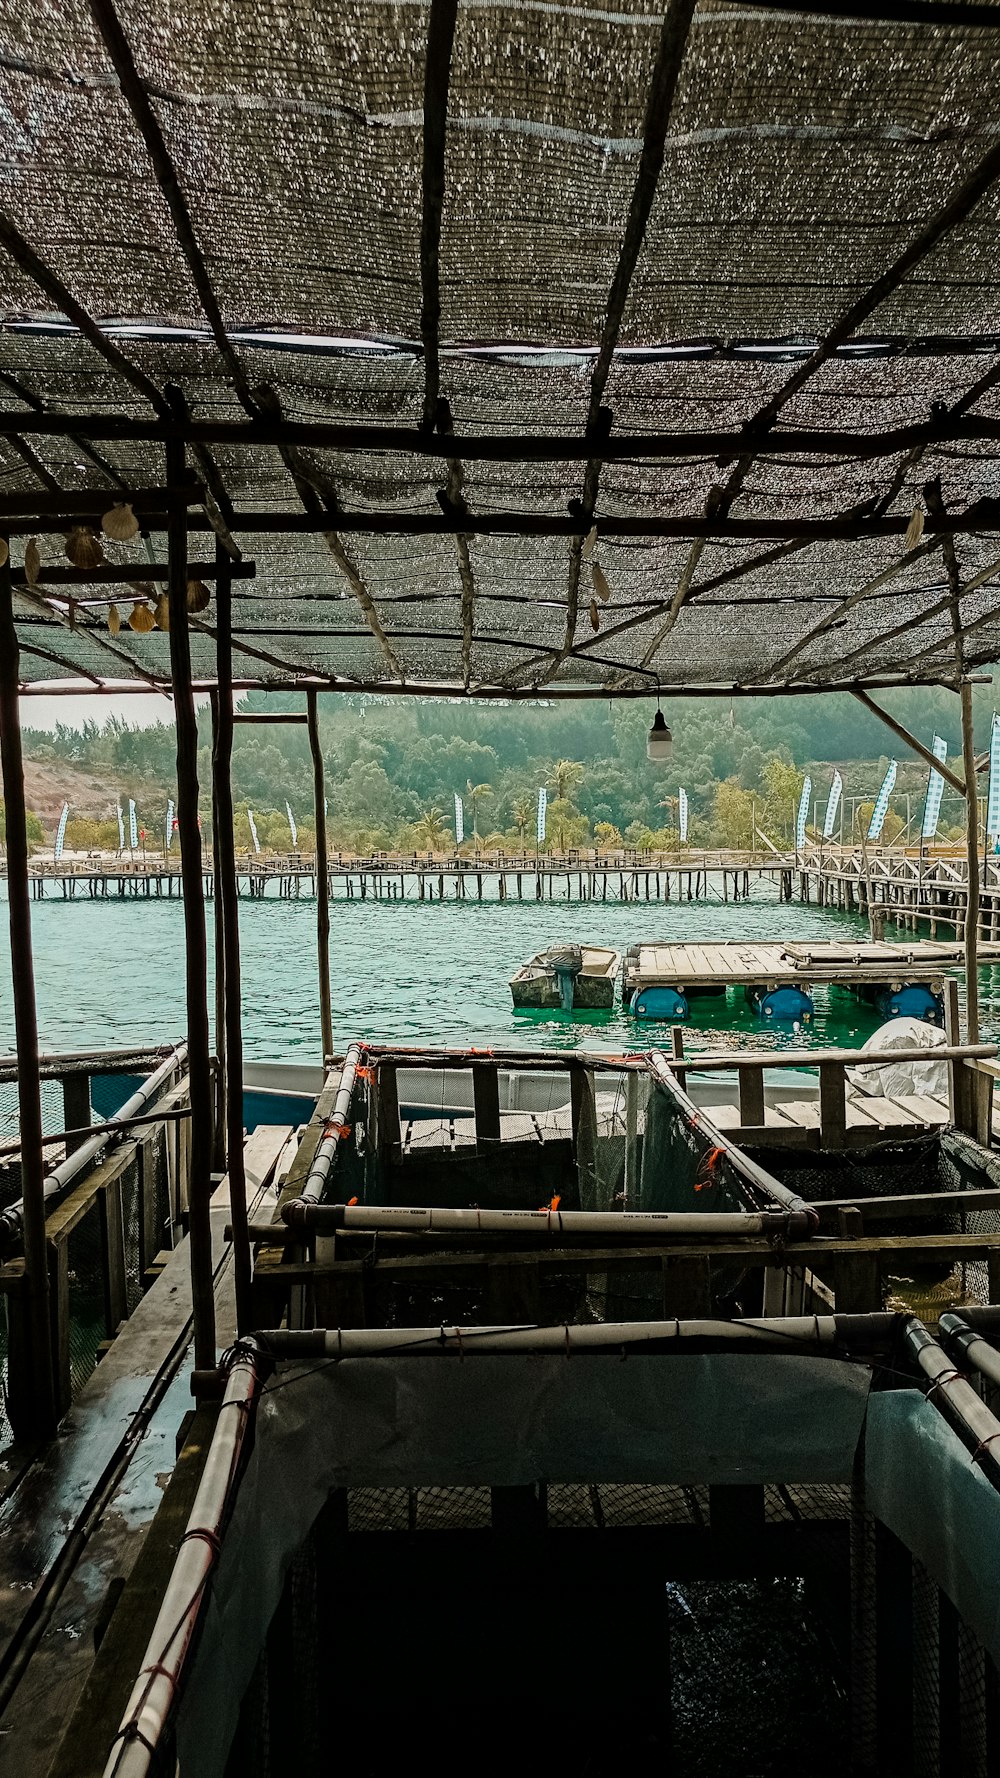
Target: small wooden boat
[{"x": 573, "y": 977}]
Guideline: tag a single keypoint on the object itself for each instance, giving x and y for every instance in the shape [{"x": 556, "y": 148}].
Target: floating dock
[{"x": 660, "y": 980}]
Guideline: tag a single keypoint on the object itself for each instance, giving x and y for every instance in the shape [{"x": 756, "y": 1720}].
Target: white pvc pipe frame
[
  {"x": 67, "y": 1170},
  {"x": 793, "y": 1213},
  {"x": 155, "y": 1689},
  {"x": 115, "y": 1129},
  {"x": 375, "y": 1218},
  {"x": 157, "y": 1685}
]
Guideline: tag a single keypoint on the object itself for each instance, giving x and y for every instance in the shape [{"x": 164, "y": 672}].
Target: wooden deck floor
[{"x": 733, "y": 963}]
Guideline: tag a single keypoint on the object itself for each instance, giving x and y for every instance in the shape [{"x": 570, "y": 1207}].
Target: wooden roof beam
[
  {"x": 949, "y": 427},
  {"x": 659, "y": 101},
  {"x": 437, "y": 77},
  {"x": 908, "y": 740}
]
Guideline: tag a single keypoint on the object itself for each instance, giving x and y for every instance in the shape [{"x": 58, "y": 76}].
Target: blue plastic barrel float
[
  {"x": 668, "y": 1004},
  {"x": 915, "y": 1000},
  {"x": 785, "y": 1006}
]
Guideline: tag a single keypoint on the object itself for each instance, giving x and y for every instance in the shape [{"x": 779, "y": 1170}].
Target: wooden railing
[{"x": 107, "y": 1228}]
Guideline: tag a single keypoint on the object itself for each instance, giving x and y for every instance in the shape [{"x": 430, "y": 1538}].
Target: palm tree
[
  {"x": 431, "y": 828},
  {"x": 566, "y": 775},
  {"x": 477, "y": 793},
  {"x": 523, "y": 811}
]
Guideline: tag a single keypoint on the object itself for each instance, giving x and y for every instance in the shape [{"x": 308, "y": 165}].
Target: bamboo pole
[
  {"x": 219, "y": 942},
  {"x": 195, "y": 948},
  {"x": 230, "y": 909},
  {"x": 911, "y": 741},
  {"x": 322, "y": 879},
  {"x": 972, "y": 859},
  {"x": 39, "y": 1400}
]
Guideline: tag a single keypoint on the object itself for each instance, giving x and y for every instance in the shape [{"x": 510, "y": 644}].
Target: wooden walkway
[
  {"x": 584, "y": 876},
  {"x": 139, "y": 1398}
]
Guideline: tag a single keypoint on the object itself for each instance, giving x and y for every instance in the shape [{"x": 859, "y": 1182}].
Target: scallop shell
[
  {"x": 32, "y": 561},
  {"x": 198, "y": 596},
  {"x": 915, "y": 528},
  {"x": 141, "y": 619},
  {"x": 120, "y": 523},
  {"x": 114, "y": 619},
  {"x": 161, "y": 612},
  {"x": 83, "y": 549},
  {"x": 595, "y": 615},
  {"x": 601, "y": 587},
  {"x": 589, "y": 543},
  {"x": 4, "y": 551}
]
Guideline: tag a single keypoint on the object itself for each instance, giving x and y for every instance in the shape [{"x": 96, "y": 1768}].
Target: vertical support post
[
  {"x": 33, "y": 1392},
  {"x": 972, "y": 861},
  {"x": 195, "y": 947},
  {"x": 228, "y": 892},
  {"x": 832, "y": 1105},
  {"x": 219, "y": 939},
  {"x": 76, "y": 1108},
  {"x": 486, "y": 1101},
  {"x": 322, "y": 879}
]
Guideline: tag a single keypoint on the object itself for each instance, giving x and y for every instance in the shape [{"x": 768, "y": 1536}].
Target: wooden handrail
[{"x": 711, "y": 1062}]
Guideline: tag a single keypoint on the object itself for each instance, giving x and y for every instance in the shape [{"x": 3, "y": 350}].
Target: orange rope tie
[
  {"x": 984, "y": 1446},
  {"x": 942, "y": 1382}
]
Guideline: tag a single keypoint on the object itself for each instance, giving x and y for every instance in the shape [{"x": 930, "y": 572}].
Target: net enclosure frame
[{"x": 488, "y": 379}]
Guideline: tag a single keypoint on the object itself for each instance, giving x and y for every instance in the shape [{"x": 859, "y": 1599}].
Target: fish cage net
[
  {"x": 724, "y": 1676},
  {"x": 860, "y": 1664},
  {"x": 946, "y": 1162}
]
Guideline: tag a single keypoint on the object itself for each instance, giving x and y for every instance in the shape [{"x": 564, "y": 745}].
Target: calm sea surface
[{"x": 112, "y": 972}]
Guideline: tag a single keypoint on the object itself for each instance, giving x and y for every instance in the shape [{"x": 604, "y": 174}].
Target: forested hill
[{"x": 393, "y": 764}]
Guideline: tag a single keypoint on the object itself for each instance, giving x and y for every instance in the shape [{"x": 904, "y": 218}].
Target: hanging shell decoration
[
  {"x": 32, "y": 561},
  {"x": 141, "y": 619},
  {"x": 161, "y": 612},
  {"x": 595, "y": 615},
  {"x": 915, "y": 528},
  {"x": 83, "y": 548},
  {"x": 114, "y": 619},
  {"x": 198, "y": 596},
  {"x": 601, "y": 586},
  {"x": 120, "y": 523},
  {"x": 4, "y": 551},
  {"x": 589, "y": 543}
]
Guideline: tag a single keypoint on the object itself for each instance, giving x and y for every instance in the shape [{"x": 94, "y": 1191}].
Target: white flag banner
[
  {"x": 253, "y": 830},
  {"x": 121, "y": 829},
  {"x": 682, "y": 814},
  {"x": 833, "y": 804},
  {"x": 293, "y": 830},
  {"x": 57, "y": 850},
  {"x": 993, "y": 797},
  {"x": 881, "y": 808},
  {"x": 133, "y": 826},
  {"x": 803, "y": 815},
  {"x": 543, "y": 803},
  {"x": 459, "y": 820},
  {"x": 935, "y": 790},
  {"x": 168, "y": 826}
]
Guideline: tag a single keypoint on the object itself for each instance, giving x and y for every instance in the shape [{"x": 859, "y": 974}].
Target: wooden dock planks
[{"x": 734, "y": 962}]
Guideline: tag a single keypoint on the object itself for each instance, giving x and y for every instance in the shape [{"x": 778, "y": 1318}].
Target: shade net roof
[{"x": 392, "y": 234}]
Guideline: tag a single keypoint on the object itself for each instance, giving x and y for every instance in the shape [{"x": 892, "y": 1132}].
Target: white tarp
[
  {"x": 887, "y": 1079},
  {"x": 421, "y": 1422},
  {"x": 921, "y": 1481}
]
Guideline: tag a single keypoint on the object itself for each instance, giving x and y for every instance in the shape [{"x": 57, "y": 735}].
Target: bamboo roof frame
[{"x": 632, "y": 666}]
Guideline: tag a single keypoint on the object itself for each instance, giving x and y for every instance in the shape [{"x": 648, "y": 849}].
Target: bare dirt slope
[{"x": 48, "y": 784}]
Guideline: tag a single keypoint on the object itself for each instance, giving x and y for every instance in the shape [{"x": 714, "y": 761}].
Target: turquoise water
[{"x": 112, "y": 973}]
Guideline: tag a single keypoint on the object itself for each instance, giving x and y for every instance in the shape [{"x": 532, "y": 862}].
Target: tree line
[{"x": 394, "y": 765}]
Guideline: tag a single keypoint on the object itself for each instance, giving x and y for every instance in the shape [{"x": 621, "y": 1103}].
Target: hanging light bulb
[{"x": 659, "y": 741}]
